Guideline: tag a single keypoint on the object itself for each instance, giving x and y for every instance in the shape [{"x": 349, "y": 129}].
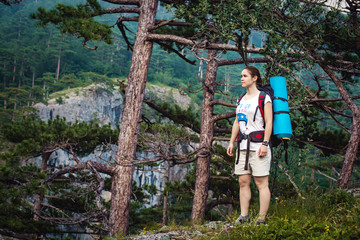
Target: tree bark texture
[
  {"x": 206, "y": 135},
  {"x": 351, "y": 153},
  {"x": 40, "y": 197},
  {"x": 353, "y": 145},
  {"x": 58, "y": 66},
  {"x": 134, "y": 95},
  {"x": 188, "y": 42},
  {"x": 4, "y": 77},
  {"x": 166, "y": 197}
]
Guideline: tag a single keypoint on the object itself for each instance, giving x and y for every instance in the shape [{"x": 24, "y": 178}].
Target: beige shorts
[{"x": 258, "y": 166}]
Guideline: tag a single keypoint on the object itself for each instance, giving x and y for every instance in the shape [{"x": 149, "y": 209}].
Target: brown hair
[{"x": 255, "y": 72}]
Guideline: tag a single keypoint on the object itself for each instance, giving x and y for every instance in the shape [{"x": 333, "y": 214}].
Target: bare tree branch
[
  {"x": 321, "y": 173},
  {"x": 290, "y": 179},
  {"x": 86, "y": 46},
  {"x": 324, "y": 107},
  {"x": 331, "y": 99},
  {"x": 15, "y": 235},
  {"x": 318, "y": 145},
  {"x": 250, "y": 60},
  {"x": 161, "y": 23},
  {"x": 124, "y": 2},
  {"x": 188, "y": 42},
  {"x": 168, "y": 47},
  {"x": 122, "y": 27},
  {"x": 101, "y": 167},
  {"x": 170, "y": 116},
  {"x": 119, "y": 10},
  {"x": 9, "y": 2},
  {"x": 223, "y": 116},
  {"x": 226, "y": 104}
]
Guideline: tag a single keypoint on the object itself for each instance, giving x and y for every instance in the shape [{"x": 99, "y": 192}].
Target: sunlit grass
[{"x": 331, "y": 216}]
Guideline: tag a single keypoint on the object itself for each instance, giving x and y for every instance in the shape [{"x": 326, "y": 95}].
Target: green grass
[{"x": 335, "y": 215}]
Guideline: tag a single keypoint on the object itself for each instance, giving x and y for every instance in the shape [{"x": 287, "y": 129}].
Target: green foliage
[
  {"x": 331, "y": 216},
  {"x": 33, "y": 137},
  {"x": 140, "y": 215},
  {"x": 59, "y": 100},
  {"x": 334, "y": 141},
  {"x": 73, "y": 194},
  {"x": 184, "y": 117},
  {"x": 76, "y": 21},
  {"x": 17, "y": 186}
]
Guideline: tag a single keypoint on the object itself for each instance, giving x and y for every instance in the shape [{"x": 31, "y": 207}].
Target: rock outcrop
[
  {"x": 92, "y": 102},
  {"x": 98, "y": 102}
]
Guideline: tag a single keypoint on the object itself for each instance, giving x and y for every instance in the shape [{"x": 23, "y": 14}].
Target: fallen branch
[
  {"x": 290, "y": 179},
  {"x": 321, "y": 173}
]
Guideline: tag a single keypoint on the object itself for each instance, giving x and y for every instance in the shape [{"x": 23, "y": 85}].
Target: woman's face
[{"x": 246, "y": 79}]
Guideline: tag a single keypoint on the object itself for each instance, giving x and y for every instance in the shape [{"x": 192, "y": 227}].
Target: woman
[{"x": 254, "y": 157}]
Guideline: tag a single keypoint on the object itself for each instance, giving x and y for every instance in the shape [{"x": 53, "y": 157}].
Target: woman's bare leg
[
  {"x": 262, "y": 184},
  {"x": 245, "y": 193}
]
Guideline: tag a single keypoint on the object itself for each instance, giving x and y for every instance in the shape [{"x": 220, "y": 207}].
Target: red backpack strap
[{"x": 261, "y": 103}]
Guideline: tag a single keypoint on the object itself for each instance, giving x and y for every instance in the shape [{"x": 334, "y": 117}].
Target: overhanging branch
[
  {"x": 331, "y": 99},
  {"x": 218, "y": 102},
  {"x": 101, "y": 167},
  {"x": 187, "y": 42},
  {"x": 124, "y": 2},
  {"x": 168, "y": 47},
  {"x": 250, "y": 60},
  {"x": 119, "y": 10},
  {"x": 223, "y": 116},
  {"x": 170, "y": 116}
]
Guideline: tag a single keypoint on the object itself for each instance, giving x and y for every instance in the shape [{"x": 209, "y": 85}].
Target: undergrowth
[{"x": 334, "y": 215}]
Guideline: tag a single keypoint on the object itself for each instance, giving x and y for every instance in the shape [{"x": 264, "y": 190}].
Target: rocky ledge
[{"x": 165, "y": 233}]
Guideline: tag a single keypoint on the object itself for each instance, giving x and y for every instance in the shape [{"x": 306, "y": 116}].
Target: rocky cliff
[
  {"x": 105, "y": 105},
  {"x": 85, "y": 104}
]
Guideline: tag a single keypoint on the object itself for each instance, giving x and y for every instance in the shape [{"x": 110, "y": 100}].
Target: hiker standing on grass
[{"x": 254, "y": 155}]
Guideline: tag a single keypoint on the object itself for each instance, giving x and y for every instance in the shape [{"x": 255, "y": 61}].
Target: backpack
[{"x": 274, "y": 140}]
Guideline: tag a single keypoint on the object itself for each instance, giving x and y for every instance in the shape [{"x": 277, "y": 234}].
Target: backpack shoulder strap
[
  {"x": 239, "y": 99},
  {"x": 261, "y": 102}
]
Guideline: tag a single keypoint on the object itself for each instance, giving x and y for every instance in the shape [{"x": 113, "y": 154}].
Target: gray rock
[
  {"x": 85, "y": 105},
  {"x": 173, "y": 235},
  {"x": 97, "y": 102}
]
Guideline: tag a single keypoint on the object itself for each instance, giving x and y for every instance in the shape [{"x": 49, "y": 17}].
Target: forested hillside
[
  {"x": 37, "y": 61},
  {"x": 66, "y": 50}
]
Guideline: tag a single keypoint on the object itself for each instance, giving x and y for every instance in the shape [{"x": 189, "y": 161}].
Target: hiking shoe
[
  {"x": 241, "y": 219},
  {"x": 259, "y": 222}
]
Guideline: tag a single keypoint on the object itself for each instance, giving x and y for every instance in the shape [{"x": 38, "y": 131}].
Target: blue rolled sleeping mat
[{"x": 281, "y": 122}]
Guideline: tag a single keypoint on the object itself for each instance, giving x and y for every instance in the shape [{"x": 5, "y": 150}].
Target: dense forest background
[
  {"x": 37, "y": 62},
  {"x": 42, "y": 60}
]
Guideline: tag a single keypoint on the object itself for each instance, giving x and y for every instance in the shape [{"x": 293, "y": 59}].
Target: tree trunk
[
  {"x": 166, "y": 197},
  {"x": 353, "y": 145},
  {"x": 13, "y": 115},
  {"x": 134, "y": 95},
  {"x": 33, "y": 79},
  {"x": 206, "y": 135},
  {"x": 14, "y": 71},
  {"x": 19, "y": 84},
  {"x": 4, "y": 78},
  {"x": 58, "y": 66},
  {"x": 351, "y": 153},
  {"x": 40, "y": 197}
]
